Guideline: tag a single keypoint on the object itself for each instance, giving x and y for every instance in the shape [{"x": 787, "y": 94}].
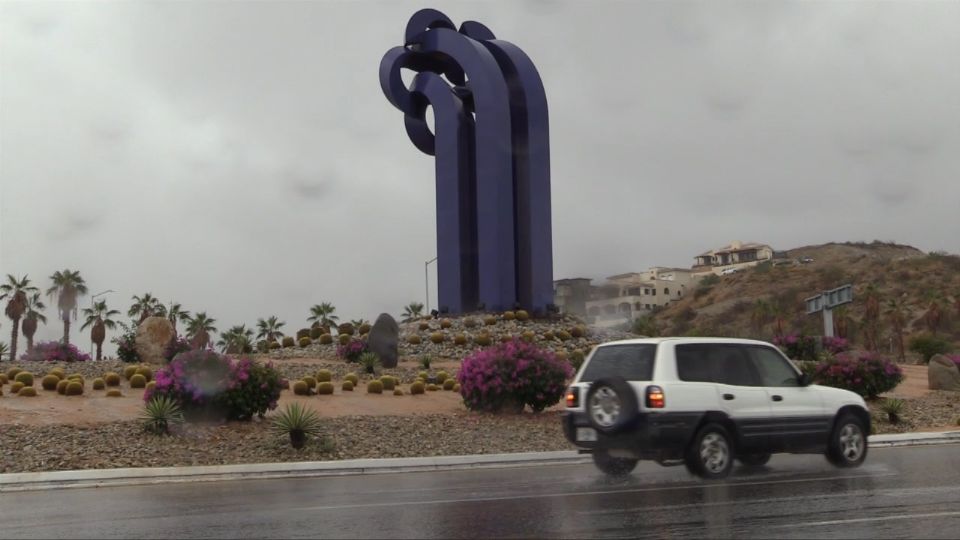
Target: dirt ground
[{"x": 94, "y": 407}]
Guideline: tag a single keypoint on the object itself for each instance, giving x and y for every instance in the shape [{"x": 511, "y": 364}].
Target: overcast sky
[{"x": 240, "y": 158}]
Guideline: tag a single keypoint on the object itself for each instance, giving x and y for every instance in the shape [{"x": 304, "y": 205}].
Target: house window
[
  {"x": 666, "y": 291},
  {"x": 639, "y": 305},
  {"x": 653, "y": 292}
]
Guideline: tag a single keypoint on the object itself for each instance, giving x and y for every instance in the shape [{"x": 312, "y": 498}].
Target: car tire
[
  {"x": 611, "y": 405},
  {"x": 754, "y": 460},
  {"x": 848, "y": 442},
  {"x": 612, "y": 466},
  {"x": 711, "y": 452}
]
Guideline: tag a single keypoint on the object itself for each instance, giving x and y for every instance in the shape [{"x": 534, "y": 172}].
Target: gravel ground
[
  {"x": 124, "y": 444},
  {"x": 937, "y": 410}
]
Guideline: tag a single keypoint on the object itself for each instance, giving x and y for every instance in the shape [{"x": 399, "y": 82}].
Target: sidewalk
[{"x": 139, "y": 476}]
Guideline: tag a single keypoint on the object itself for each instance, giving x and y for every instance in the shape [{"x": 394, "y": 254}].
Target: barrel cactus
[
  {"x": 27, "y": 391},
  {"x": 489, "y": 320},
  {"x": 274, "y": 345},
  {"x": 423, "y": 326},
  {"x": 563, "y": 335},
  {"x": 389, "y": 382},
  {"x": 436, "y": 337},
  {"x": 305, "y": 341},
  {"x": 509, "y": 315},
  {"x": 548, "y": 335},
  {"x": 423, "y": 375},
  {"x": 99, "y": 384},
  {"x": 301, "y": 388},
  {"x": 397, "y": 392},
  {"x": 417, "y": 388},
  {"x": 346, "y": 329},
  {"x": 111, "y": 378},
  {"x": 114, "y": 392},
  {"x": 344, "y": 339},
  {"x": 316, "y": 332},
  {"x": 146, "y": 372},
  {"x": 445, "y": 323},
  {"x": 449, "y": 384},
  {"x": 348, "y": 386},
  {"x": 16, "y": 387},
  {"x": 24, "y": 377},
  {"x": 528, "y": 336},
  {"x": 59, "y": 372},
  {"x": 324, "y": 375},
  {"x": 375, "y": 387},
  {"x": 310, "y": 380},
  {"x": 470, "y": 322},
  {"x": 352, "y": 377},
  {"x": 364, "y": 329},
  {"x": 522, "y": 315},
  {"x": 506, "y": 338},
  {"x": 456, "y": 387},
  {"x": 460, "y": 339},
  {"x": 483, "y": 340},
  {"x": 62, "y": 386},
  {"x": 432, "y": 387},
  {"x": 150, "y": 386},
  {"x": 442, "y": 376},
  {"x": 3, "y": 379},
  {"x": 138, "y": 381},
  {"x": 413, "y": 339},
  {"x": 326, "y": 339},
  {"x": 129, "y": 372},
  {"x": 12, "y": 373},
  {"x": 50, "y": 382},
  {"x": 288, "y": 342},
  {"x": 75, "y": 388},
  {"x": 578, "y": 331},
  {"x": 302, "y": 333},
  {"x": 325, "y": 388},
  {"x": 576, "y": 359}
]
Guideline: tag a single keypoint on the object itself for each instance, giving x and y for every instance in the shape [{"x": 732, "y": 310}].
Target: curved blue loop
[
  {"x": 424, "y": 20},
  {"x": 477, "y": 31}
]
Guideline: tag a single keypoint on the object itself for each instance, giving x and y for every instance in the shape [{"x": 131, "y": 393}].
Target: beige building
[
  {"x": 736, "y": 256},
  {"x": 625, "y": 297}
]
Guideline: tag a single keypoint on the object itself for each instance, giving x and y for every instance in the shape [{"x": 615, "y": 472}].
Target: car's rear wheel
[
  {"x": 710, "y": 455},
  {"x": 613, "y": 466},
  {"x": 848, "y": 442},
  {"x": 754, "y": 460},
  {"x": 611, "y": 405}
]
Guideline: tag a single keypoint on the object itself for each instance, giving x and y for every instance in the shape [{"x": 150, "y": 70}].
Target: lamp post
[
  {"x": 91, "y": 308},
  {"x": 426, "y": 281}
]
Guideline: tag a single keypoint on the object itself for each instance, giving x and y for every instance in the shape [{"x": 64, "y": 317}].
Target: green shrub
[
  {"x": 263, "y": 346},
  {"x": 146, "y": 372},
  {"x": 509, "y": 315},
  {"x": 112, "y": 379},
  {"x": 316, "y": 332},
  {"x": 375, "y": 387},
  {"x": 417, "y": 388},
  {"x": 305, "y": 341},
  {"x": 348, "y": 385},
  {"x": 413, "y": 339},
  {"x": 522, "y": 315},
  {"x": 301, "y": 388},
  {"x": 288, "y": 342},
  {"x": 74, "y": 388},
  {"x": 352, "y": 377},
  {"x": 158, "y": 414},
  {"x": 16, "y": 387},
  {"x": 928, "y": 346},
  {"x": 24, "y": 377},
  {"x": 324, "y": 375},
  {"x": 138, "y": 381},
  {"x": 27, "y": 391},
  {"x": 449, "y": 384},
  {"x": 326, "y": 388},
  {"x": 62, "y": 386},
  {"x": 114, "y": 392},
  {"x": 389, "y": 382},
  {"x": 50, "y": 382},
  {"x": 868, "y": 375},
  {"x": 99, "y": 384},
  {"x": 310, "y": 380},
  {"x": 326, "y": 339},
  {"x": 442, "y": 376}
]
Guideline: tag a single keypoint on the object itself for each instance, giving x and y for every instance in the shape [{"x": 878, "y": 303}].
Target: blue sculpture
[{"x": 492, "y": 148}]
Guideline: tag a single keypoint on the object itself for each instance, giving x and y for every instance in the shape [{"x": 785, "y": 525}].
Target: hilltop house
[{"x": 737, "y": 255}]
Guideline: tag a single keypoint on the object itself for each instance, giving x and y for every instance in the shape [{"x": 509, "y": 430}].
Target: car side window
[
  {"x": 773, "y": 368},
  {"x": 718, "y": 363}
]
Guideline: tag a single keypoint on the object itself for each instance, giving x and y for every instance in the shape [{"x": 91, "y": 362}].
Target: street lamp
[
  {"x": 426, "y": 281},
  {"x": 91, "y": 308}
]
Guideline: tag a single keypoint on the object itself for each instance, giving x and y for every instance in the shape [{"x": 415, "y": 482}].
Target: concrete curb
[{"x": 305, "y": 469}]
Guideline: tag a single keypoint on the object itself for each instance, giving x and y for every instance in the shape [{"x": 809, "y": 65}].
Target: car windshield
[{"x": 632, "y": 362}]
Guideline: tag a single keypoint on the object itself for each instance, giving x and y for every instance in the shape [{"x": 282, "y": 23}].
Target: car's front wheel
[
  {"x": 848, "y": 442},
  {"x": 613, "y": 466},
  {"x": 710, "y": 455}
]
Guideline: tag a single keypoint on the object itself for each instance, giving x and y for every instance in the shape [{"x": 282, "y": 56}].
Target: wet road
[{"x": 899, "y": 493}]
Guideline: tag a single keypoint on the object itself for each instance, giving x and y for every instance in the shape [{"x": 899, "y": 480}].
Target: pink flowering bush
[
  {"x": 353, "y": 350},
  {"x": 512, "y": 375},
  {"x": 797, "y": 347},
  {"x": 955, "y": 358},
  {"x": 54, "y": 351},
  {"x": 868, "y": 375},
  {"x": 208, "y": 385},
  {"x": 835, "y": 345}
]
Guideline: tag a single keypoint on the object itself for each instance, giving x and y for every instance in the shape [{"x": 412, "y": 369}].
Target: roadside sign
[{"x": 826, "y": 301}]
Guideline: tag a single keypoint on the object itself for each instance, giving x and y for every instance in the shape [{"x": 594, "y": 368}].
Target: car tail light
[
  {"x": 573, "y": 396},
  {"x": 655, "y": 398}
]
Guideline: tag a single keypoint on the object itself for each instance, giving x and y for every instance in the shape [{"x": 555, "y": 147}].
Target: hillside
[{"x": 729, "y": 307}]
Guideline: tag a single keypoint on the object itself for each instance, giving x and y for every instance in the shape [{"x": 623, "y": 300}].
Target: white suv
[{"x": 704, "y": 402}]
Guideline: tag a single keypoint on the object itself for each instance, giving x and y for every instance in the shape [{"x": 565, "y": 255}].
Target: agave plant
[
  {"x": 425, "y": 362},
  {"x": 159, "y": 414},
  {"x": 298, "y": 422},
  {"x": 4, "y": 350},
  {"x": 370, "y": 362},
  {"x": 893, "y": 407}
]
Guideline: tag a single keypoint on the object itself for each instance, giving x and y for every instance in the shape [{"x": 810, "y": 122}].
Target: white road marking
[{"x": 865, "y": 520}]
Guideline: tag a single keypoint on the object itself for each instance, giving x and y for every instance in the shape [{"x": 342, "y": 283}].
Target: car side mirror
[{"x": 805, "y": 379}]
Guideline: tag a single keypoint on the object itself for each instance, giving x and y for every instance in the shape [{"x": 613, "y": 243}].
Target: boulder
[
  {"x": 153, "y": 335},
  {"x": 383, "y": 339},
  {"x": 943, "y": 374}
]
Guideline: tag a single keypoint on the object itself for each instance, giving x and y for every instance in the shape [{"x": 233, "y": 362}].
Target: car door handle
[
  {"x": 728, "y": 397},
  {"x": 778, "y": 398}
]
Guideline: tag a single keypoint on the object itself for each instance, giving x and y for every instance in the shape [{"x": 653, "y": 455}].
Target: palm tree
[
  {"x": 176, "y": 313},
  {"x": 871, "y": 318},
  {"x": 841, "y": 321},
  {"x": 236, "y": 340},
  {"x": 32, "y": 318},
  {"x": 898, "y": 321},
  {"x": 145, "y": 306},
  {"x": 270, "y": 329},
  {"x": 779, "y": 314},
  {"x": 99, "y": 317},
  {"x": 15, "y": 291},
  {"x": 760, "y": 315},
  {"x": 933, "y": 316},
  {"x": 357, "y": 323},
  {"x": 67, "y": 287},
  {"x": 412, "y": 311},
  {"x": 199, "y": 328},
  {"x": 322, "y": 315}
]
